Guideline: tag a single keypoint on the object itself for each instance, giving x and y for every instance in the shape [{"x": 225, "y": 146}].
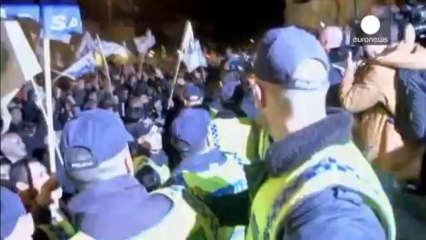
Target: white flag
[
  {"x": 145, "y": 42},
  {"x": 86, "y": 45},
  {"x": 202, "y": 58},
  {"x": 194, "y": 57},
  {"x": 188, "y": 37},
  {"x": 112, "y": 48},
  {"x": 18, "y": 61},
  {"x": 84, "y": 65}
]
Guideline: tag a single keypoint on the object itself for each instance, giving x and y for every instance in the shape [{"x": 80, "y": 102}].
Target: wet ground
[{"x": 410, "y": 211}]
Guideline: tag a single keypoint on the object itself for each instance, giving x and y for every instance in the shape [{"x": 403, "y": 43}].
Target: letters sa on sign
[{"x": 62, "y": 22}]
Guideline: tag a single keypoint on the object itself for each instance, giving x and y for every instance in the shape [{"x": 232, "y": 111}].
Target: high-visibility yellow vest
[
  {"x": 62, "y": 230},
  {"x": 225, "y": 179},
  {"x": 188, "y": 219},
  {"x": 163, "y": 171},
  {"x": 340, "y": 165},
  {"x": 236, "y": 135},
  {"x": 263, "y": 143}
]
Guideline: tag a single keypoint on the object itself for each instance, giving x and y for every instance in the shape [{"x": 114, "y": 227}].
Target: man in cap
[
  {"x": 318, "y": 185},
  {"x": 205, "y": 170},
  {"x": 193, "y": 95},
  {"x": 15, "y": 222},
  {"x": 231, "y": 120},
  {"x": 110, "y": 200},
  {"x": 190, "y": 132}
]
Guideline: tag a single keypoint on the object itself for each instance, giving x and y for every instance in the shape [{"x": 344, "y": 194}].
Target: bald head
[
  {"x": 13, "y": 147},
  {"x": 292, "y": 72},
  {"x": 331, "y": 37}
]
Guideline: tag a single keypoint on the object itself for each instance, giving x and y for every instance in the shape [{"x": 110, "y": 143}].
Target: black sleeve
[{"x": 40, "y": 235}]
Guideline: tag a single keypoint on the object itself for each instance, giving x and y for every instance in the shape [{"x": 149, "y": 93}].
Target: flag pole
[
  {"x": 49, "y": 106},
  {"x": 179, "y": 60},
  {"x": 43, "y": 111},
  {"x": 106, "y": 68},
  {"x": 141, "y": 62}
]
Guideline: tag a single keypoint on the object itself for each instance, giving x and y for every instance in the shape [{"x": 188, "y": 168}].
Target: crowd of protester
[{"x": 194, "y": 164}]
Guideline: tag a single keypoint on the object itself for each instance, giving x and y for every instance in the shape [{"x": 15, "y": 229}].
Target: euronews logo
[{"x": 373, "y": 31}]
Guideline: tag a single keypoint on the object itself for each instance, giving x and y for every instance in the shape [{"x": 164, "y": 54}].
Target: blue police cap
[
  {"x": 100, "y": 132},
  {"x": 190, "y": 129},
  {"x": 11, "y": 210},
  {"x": 192, "y": 92},
  {"x": 230, "y": 81},
  {"x": 282, "y": 50}
]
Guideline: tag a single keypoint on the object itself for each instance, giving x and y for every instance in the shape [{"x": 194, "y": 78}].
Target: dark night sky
[
  {"x": 223, "y": 21},
  {"x": 220, "y": 20},
  {"x": 239, "y": 19}
]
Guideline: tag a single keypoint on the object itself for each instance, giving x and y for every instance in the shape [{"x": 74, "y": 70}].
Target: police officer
[
  {"x": 111, "y": 203},
  {"x": 193, "y": 95},
  {"x": 318, "y": 185},
  {"x": 202, "y": 163},
  {"x": 208, "y": 172},
  {"x": 231, "y": 120}
]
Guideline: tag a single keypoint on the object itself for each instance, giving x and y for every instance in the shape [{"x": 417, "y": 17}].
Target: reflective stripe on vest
[
  {"x": 264, "y": 142},
  {"x": 189, "y": 219},
  {"x": 337, "y": 165},
  {"x": 244, "y": 144},
  {"x": 163, "y": 171},
  {"x": 226, "y": 179}
]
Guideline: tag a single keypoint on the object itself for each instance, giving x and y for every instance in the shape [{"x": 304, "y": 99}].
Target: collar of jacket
[
  {"x": 201, "y": 162},
  {"x": 102, "y": 195},
  {"x": 300, "y": 146}
]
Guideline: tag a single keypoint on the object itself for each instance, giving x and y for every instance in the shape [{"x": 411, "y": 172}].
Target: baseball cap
[
  {"x": 11, "y": 210},
  {"x": 280, "y": 53},
  {"x": 190, "y": 129},
  {"x": 192, "y": 92},
  {"x": 230, "y": 81},
  {"x": 91, "y": 138}
]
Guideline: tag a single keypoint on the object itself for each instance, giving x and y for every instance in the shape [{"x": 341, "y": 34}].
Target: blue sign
[
  {"x": 61, "y": 19},
  {"x": 20, "y": 11},
  {"x": 56, "y": 20}
]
